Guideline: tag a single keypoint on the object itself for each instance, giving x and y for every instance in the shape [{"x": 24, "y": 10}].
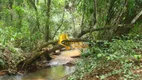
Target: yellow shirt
[{"x": 70, "y": 45}]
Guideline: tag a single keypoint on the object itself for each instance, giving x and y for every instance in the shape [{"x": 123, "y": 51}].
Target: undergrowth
[
  {"x": 116, "y": 60},
  {"x": 19, "y": 38}
]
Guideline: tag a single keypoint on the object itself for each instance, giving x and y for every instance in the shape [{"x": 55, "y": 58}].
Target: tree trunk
[
  {"x": 10, "y": 6},
  {"x": 47, "y": 27},
  {"x": 110, "y": 13}
]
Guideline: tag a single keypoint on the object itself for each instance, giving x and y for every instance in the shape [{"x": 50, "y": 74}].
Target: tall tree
[{"x": 47, "y": 26}]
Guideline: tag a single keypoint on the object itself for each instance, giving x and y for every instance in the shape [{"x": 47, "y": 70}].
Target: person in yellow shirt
[
  {"x": 70, "y": 45},
  {"x": 63, "y": 37}
]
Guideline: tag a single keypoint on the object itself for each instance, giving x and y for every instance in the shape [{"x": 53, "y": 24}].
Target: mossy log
[{"x": 31, "y": 60}]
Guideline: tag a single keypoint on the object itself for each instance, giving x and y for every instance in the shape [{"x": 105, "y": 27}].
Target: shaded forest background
[{"x": 26, "y": 25}]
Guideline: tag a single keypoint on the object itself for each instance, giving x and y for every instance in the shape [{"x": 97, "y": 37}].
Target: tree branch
[
  {"x": 59, "y": 25},
  {"x": 136, "y": 17},
  {"x": 87, "y": 31},
  {"x": 103, "y": 28}
]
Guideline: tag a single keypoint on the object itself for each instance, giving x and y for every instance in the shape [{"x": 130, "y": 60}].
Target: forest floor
[{"x": 121, "y": 60}]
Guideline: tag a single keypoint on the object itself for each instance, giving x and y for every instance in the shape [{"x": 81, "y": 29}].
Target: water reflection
[
  {"x": 52, "y": 73},
  {"x": 11, "y": 77}
]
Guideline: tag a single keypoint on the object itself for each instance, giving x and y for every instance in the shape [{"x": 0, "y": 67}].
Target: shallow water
[
  {"x": 55, "y": 72},
  {"x": 51, "y": 73}
]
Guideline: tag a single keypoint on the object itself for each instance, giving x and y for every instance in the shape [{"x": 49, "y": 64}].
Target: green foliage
[
  {"x": 2, "y": 64},
  {"x": 137, "y": 29},
  {"x": 113, "y": 59}
]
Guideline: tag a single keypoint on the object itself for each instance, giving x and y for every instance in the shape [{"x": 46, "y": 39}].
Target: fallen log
[
  {"x": 87, "y": 31},
  {"x": 46, "y": 44},
  {"x": 107, "y": 27},
  {"x": 47, "y": 52},
  {"x": 31, "y": 60}
]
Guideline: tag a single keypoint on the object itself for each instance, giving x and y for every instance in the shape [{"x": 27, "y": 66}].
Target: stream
[
  {"x": 57, "y": 70},
  {"x": 50, "y": 73}
]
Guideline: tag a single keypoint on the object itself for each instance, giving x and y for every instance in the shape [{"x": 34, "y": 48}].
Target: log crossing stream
[{"x": 58, "y": 68}]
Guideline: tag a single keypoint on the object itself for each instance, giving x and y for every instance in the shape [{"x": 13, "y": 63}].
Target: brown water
[{"x": 51, "y": 73}]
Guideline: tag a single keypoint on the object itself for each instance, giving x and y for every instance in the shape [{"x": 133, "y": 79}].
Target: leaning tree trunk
[{"x": 114, "y": 18}]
